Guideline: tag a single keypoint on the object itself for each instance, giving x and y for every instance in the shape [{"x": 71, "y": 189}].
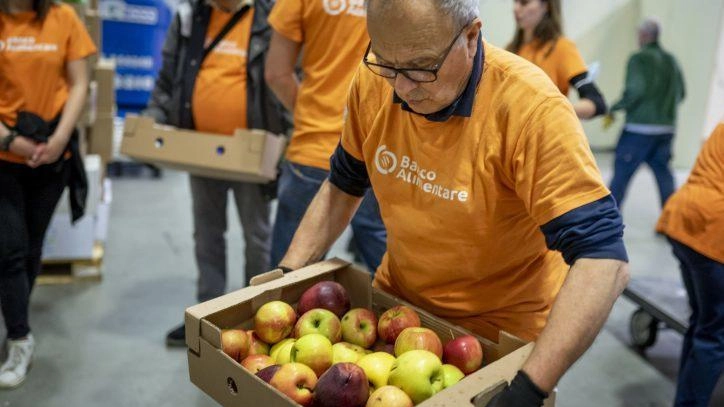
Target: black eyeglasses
[{"x": 414, "y": 74}]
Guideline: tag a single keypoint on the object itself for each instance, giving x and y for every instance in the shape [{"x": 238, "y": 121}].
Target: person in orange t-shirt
[
  {"x": 44, "y": 79},
  {"x": 332, "y": 37},
  {"x": 693, "y": 220},
  {"x": 497, "y": 216},
  {"x": 212, "y": 81},
  {"x": 539, "y": 39}
]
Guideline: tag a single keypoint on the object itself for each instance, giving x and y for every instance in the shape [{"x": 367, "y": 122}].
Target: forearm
[
  {"x": 4, "y": 131},
  {"x": 582, "y": 306},
  {"x": 71, "y": 111},
  {"x": 585, "y": 109},
  {"x": 326, "y": 218},
  {"x": 285, "y": 88}
]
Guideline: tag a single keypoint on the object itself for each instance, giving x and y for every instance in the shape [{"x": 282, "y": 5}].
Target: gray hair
[
  {"x": 462, "y": 12},
  {"x": 651, "y": 28}
]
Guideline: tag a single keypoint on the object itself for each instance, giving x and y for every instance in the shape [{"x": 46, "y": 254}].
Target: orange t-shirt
[
  {"x": 463, "y": 200},
  {"x": 219, "y": 100},
  {"x": 35, "y": 55},
  {"x": 694, "y": 215},
  {"x": 560, "y": 60},
  {"x": 334, "y": 37}
]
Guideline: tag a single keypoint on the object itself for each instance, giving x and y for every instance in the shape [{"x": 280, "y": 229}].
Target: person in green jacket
[{"x": 654, "y": 88}]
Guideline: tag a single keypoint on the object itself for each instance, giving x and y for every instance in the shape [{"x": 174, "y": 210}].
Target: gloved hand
[
  {"x": 521, "y": 392},
  {"x": 608, "y": 120}
]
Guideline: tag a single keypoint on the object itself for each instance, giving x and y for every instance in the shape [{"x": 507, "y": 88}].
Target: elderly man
[
  {"x": 483, "y": 173},
  {"x": 654, "y": 89}
]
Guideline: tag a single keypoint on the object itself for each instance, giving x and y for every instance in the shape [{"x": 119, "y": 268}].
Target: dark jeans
[
  {"x": 702, "y": 355},
  {"x": 27, "y": 201},
  {"x": 634, "y": 149},
  {"x": 298, "y": 184}
]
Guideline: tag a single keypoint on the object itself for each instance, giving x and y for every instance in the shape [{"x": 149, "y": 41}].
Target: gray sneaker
[{"x": 15, "y": 368}]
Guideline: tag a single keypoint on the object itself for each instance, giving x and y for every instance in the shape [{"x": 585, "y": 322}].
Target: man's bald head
[
  {"x": 454, "y": 12},
  {"x": 649, "y": 31}
]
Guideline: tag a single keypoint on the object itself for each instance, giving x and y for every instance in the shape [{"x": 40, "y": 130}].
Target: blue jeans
[
  {"x": 634, "y": 149},
  {"x": 702, "y": 355},
  {"x": 298, "y": 184}
]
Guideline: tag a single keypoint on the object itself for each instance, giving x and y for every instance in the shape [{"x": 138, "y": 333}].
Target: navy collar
[{"x": 463, "y": 105}]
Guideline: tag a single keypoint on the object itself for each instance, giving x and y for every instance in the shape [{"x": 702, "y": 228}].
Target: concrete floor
[{"x": 103, "y": 344}]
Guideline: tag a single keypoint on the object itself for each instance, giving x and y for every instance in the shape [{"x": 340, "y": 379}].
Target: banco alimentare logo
[
  {"x": 337, "y": 7},
  {"x": 385, "y": 160}
]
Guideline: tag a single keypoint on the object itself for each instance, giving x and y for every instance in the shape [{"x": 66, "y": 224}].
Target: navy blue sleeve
[
  {"x": 593, "y": 231},
  {"x": 587, "y": 90},
  {"x": 348, "y": 173}
]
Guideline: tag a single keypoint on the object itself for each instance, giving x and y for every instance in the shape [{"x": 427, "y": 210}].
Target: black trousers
[{"x": 27, "y": 201}]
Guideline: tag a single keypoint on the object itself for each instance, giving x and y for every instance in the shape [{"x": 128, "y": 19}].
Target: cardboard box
[
  {"x": 93, "y": 24},
  {"x": 100, "y": 136},
  {"x": 248, "y": 155},
  {"x": 104, "y": 75},
  {"x": 228, "y": 383},
  {"x": 80, "y": 8}
]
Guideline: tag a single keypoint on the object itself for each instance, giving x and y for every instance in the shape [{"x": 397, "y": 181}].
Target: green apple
[
  {"x": 313, "y": 350},
  {"x": 389, "y": 396},
  {"x": 418, "y": 373},
  {"x": 319, "y": 321},
  {"x": 281, "y": 352},
  {"x": 346, "y": 352},
  {"x": 451, "y": 375},
  {"x": 377, "y": 367},
  {"x": 359, "y": 327}
]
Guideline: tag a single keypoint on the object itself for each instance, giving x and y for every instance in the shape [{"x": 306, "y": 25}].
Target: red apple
[
  {"x": 274, "y": 321},
  {"x": 395, "y": 320},
  {"x": 256, "y": 345},
  {"x": 296, "y": 381},
  {"x": 267, "y": 373},
  {"x": 465, "y": 353},
  {"x": 235, "y": 343},
  {"x": 319, "y": 321},
  {"x": 329, "y": 295},
  {"x": 343, "y": 385},
  {"x": 418, "y": 339},
  {"x": 381, "y": 346},
  {"x": 255, "y": 363},
  {"x": 359, "y": 327}
]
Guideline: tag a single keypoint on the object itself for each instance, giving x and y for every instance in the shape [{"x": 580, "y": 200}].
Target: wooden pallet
[{"x": 73, "y": 271}]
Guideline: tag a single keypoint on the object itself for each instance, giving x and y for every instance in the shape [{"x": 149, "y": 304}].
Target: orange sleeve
[
  {"x": 286, "y": 19},
  {"x": 553, "y": 168},
  {"x": 711, "y": 159},
  {"x": 571, "y": 61},
  {"x": 353, "y": 132},
  {"x": 80, "y": 44}
]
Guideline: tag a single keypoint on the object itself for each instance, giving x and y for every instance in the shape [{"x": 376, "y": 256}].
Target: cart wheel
[{"x": 643, "y": 328}]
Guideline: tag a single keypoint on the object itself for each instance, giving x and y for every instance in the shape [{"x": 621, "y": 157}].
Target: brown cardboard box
[
  {"x": 229, "y": 384},
  {"x": 104, "y": 75},
  {"x": 100, "y": 136},
  {"x": 248, "y": 155},
  {"x": 80, "y": 9},
  {"x": 88, "y": 115},
  {"x": 93, "y": 25}
]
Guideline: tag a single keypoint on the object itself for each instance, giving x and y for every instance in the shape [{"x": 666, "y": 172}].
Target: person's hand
[
  {"x": 608, "y": 120},
  {"x": 47, "y": 153},
  {"x": 23, "y": 147},
  {"x": 521, "y": 392}
]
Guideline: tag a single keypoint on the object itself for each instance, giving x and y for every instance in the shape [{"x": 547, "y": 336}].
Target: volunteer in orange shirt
[
  {"x": 539, "y": 39},
  {"x": 43, "y": 85},
  {"x": 483, "y": 175},
  {"x": 333, "y": 36},
  {"x": 212, "y": 80},
  {"x": 693, "y": 220}
]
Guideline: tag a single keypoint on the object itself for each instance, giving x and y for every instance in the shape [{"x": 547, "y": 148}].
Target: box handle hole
[
  {"x": 231, "y": 385},
  {"x": 220, "y": 150},
  {"x": 159, "y": 142}
]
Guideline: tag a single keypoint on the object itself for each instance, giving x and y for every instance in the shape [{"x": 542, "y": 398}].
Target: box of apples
[{"x": 322, "y": 336}]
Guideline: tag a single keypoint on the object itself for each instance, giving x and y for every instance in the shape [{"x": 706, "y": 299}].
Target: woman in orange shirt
[
  {"x": 693, "y": 220},
  {"x": 43, "y": 85},
  {"x": 539, "y": 39}
]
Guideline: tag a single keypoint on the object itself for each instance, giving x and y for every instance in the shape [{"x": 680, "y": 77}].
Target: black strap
[{"x": 220, "y": 36}]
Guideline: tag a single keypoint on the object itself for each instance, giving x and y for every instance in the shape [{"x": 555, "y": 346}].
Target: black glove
[{"x": 521, "y": 392}]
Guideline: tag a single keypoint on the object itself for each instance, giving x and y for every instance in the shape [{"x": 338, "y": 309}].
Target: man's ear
[{"x": 471, "y": 36}]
